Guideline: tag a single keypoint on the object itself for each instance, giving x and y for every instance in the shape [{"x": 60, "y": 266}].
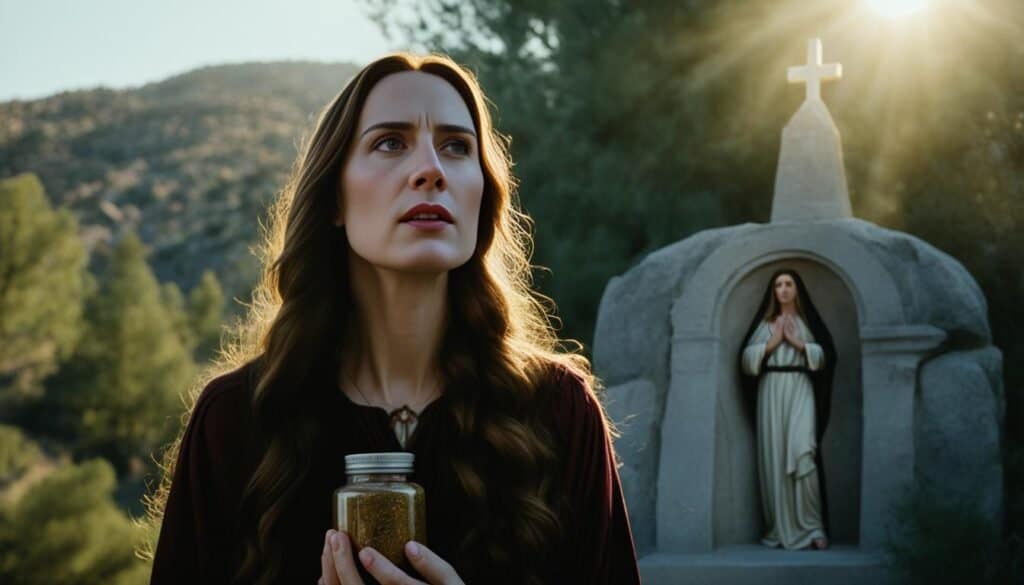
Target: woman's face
[
  {"x": 415, "y": 143},
  {"x": 785, "y": 289}
]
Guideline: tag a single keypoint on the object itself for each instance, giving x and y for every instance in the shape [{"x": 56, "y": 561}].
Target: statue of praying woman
[{"x": 787, "y": 362}]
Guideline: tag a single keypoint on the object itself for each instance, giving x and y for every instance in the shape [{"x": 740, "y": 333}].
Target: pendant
[{"x": 403, "y": 423}]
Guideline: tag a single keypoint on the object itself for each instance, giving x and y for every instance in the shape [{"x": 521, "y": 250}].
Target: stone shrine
[{"x": 917, "y": 395}]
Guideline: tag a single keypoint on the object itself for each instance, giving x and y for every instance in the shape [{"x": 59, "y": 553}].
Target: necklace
[{"x": 403, "y": 420}]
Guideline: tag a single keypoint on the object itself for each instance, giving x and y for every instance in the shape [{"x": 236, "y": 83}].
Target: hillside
[{"x": 189, "y": 162}]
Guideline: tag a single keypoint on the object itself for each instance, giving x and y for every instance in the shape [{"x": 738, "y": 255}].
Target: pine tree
[
  {"x": 67, "y": 530},
  {"x": 17, "y": 453},
  {"x": 174, "y": 303},
  {"x": 206, "y": 307},
  {"x": 119, "y": 395},
  {"x": 42, "y": 281}
]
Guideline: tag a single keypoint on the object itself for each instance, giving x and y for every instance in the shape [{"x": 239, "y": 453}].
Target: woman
[
  {"x": 787, "y": 361},
  {"x": 376, "y": 331}
]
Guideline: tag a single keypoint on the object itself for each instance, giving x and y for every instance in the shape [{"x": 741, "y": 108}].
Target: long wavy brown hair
[{"x": 497, "y": 354}]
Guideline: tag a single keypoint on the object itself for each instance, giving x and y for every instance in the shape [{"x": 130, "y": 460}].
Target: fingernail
[
  {"x": 413, "y": 549},
  {"x": 335, "y": 541},
  {"x": 366, "y": 557}
]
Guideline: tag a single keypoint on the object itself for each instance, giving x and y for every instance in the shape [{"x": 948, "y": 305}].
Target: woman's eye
[
  {"x": 457, "y": 146},
  {"x": 389, "y": 144}
]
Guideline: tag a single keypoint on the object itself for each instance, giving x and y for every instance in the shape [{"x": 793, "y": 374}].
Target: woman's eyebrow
[
  {"x": 456, "y": 129},
  {"x": 409, "y": 126}
]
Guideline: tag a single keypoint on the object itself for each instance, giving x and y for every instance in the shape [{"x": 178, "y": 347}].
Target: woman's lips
[{"x": 427, "y": 224}]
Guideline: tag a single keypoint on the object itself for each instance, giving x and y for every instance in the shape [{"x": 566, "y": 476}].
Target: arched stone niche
[
  {"x": 738, "y": 517},
  {"x": 695, "y": 507}
]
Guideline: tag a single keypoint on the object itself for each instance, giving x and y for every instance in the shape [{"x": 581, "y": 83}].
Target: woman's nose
[{"x": 429, "y": 174}]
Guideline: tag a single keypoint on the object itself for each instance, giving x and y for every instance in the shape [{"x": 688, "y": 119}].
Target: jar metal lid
[{"x": 398, "y": 462}]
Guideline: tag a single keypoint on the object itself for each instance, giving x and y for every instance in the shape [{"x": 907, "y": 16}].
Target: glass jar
[{"x": 379, "y": 507}]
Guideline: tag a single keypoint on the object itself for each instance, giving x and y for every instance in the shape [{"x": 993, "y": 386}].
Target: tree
[
  {"x": 67, "y": 530},
  {"x": 206, "y": 312},
  {"x": 17, "y": 453},
  {"x": 119, "y": 394},
  {"x": 174, "y": 303},
  {"x": 42, "y": 281}
]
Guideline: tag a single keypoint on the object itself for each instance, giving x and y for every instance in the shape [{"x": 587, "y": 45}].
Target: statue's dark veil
[{"x": 821, "y": 379}]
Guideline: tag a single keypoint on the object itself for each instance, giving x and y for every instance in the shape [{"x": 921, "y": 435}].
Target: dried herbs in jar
[{"x": 379, "y": 507}]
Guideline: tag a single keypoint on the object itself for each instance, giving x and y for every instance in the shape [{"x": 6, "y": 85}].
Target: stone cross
[
  {"x": 814, "y": 72},
  {"x": 810, "y": 183}
]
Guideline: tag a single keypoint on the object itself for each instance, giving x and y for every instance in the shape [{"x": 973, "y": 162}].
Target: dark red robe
[{"x": 218, "y": 456}]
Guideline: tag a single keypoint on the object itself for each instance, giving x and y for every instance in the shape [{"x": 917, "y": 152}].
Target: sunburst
[{"x": 897, "y": 9}]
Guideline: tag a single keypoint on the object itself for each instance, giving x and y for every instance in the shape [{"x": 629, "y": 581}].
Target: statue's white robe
[{"x": 786, "y": 442}]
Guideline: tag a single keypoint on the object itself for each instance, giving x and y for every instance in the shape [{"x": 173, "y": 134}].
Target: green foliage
[
  {"x": 198, "y": 325},
  {"x": 66, "y": 530},
  {"x": 17, "y": 453},
  {"x": 174, "y": 303},
  {"x": 206, "y": 314},
  {"x": 42, "y": 282},
  {"x": 950, "y": 542},
  {"x": 119, "y": 393}
]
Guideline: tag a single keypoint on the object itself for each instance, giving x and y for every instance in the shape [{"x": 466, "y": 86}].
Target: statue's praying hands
[
  {"x": 777, "y": 336},
  {"x": 791, "y": 331}
]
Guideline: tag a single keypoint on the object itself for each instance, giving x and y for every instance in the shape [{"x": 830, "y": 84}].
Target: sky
[{"x": 48, "y": 46}]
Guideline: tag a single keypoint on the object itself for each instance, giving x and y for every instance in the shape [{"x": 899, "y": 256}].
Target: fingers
[
  {"x": 385, "y": 571},
  {"x": 341, "y": 560},
  {"x": 433, "y": 568},
  {"x": 328, "y": 574}
]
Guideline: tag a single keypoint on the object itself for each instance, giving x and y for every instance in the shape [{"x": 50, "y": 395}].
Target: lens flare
[{"x": 897, "y": 8}]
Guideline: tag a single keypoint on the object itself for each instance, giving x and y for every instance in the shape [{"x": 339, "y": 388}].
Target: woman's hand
[{"x": 338, "y": 565}]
